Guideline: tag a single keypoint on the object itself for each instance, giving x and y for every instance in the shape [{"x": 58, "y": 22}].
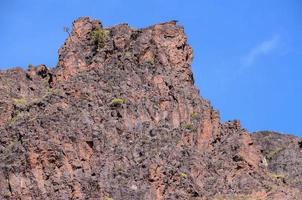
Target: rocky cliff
[{"x": 120, "y": 118}]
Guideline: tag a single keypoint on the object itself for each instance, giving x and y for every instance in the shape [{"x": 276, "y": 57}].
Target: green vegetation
[
  {"x": 211, "y": 178},
  {"x": 150, "y": 61},
  {"x": 118, "y": 101},
  {"x": 194, "y": 115},
  {"x": 108, "y": 198},
  {"x": 188, "y": 126},
  {"x": 277, "y": 176},
  {"x": 46, "y": 81},
  {"x": 19, "y": 102},
  {"x": 273, "y": 153},
  {"x": 128, "y": 54},
  {"x": 17, "y": 116},
  {"x": 183, "y": 175},
  {"x": 99, "y": 37},
  {"x": 9, "y": 150}
]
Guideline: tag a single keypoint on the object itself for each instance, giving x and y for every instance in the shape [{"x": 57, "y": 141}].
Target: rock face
[
  {"x": 120, "y": 118},
  {"x": 283, "y": 154}
]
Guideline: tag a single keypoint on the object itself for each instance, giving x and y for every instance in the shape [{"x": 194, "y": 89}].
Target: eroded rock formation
[{"x": 123, "y": 120}]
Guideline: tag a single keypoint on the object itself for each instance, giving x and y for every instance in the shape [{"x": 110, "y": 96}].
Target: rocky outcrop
[
  {"x": 120, "y": 118},
  {"x": 283, "y": 154}
]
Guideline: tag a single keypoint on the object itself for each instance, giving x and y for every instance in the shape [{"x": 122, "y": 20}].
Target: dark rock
[
  {"x": 283, "y": 155},
  {"x": 63, "y": 136}
]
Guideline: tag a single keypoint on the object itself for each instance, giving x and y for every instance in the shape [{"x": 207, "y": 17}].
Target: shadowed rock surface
[
  {"x": 120, "y": 118},
  {"x": 283, "y": 154}
]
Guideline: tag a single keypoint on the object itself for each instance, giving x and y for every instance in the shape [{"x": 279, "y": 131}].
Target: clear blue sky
[{"x": 247, "y": 54}]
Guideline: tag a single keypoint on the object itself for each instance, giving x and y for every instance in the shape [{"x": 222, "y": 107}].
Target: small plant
[
  {"x": 16, "y": 117},
  {"x": 99, "y": 37},
  {"x": 183, "y": 175},
  {"x": 20, "y": 102},
  {"x": 128, "y": 54},
  {"x": 188, "y": 126},
  {"x": 277, "y": 176},
  {"x": 47, "y": 80},
  {"x": 194, "y": 115},
  {"x": 211, "y": 178},
  {"x": 150, "y": 61},
  {"x": 273, "y": 153},
  {"x": 118, "y": 101},
  {"x": 108, "y": 198}
]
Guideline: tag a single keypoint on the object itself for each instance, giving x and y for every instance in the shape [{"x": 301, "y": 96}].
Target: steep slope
[
  {"x": 120, "y": 118},
  {"x": 283, "y": 154}
]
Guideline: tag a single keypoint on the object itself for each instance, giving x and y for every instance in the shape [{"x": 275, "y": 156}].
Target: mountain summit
[{"x": 119, "y": 118}]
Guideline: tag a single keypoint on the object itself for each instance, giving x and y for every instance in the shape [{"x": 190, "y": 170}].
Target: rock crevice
[{"x": 120, "y": 118}]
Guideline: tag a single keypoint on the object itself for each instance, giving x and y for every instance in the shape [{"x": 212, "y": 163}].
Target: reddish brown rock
[{"x": 123, "y": 120}]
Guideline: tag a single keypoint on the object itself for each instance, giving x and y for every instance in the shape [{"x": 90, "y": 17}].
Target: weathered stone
[{"x": 125, "y": 121}]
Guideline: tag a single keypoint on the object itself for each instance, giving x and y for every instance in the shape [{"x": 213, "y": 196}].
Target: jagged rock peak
[
  {"x": 163, "y": 43},
  {"x": 119, "y": 118}
]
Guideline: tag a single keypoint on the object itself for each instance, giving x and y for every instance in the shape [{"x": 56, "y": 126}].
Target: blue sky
[{"x": 247, "y": 54}]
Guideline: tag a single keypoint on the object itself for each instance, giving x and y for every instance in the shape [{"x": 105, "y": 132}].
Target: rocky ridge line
[{"x": 120, "y": 118}]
